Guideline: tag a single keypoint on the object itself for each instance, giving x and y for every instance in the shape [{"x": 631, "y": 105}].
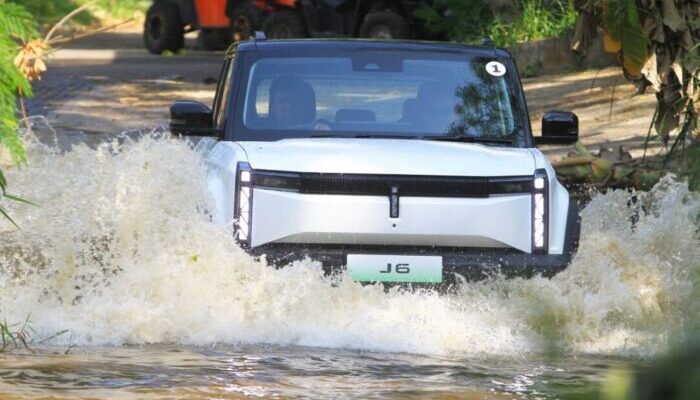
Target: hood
[{"x": 388, "y": 156}]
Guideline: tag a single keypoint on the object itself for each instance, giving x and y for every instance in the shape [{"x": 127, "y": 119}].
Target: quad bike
[
  {"x": 377, "y": 19},
  {"x": 220, "y": 22}
]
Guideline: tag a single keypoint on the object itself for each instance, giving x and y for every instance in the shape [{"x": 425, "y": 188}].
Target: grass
[
  {"x": 14, "y": 336},
  {"x": 539, "y": 20},
  {"x": 125, "y": 8},
  {"x": 22, "y": 337},
  {"x": 470, "y": 20}
]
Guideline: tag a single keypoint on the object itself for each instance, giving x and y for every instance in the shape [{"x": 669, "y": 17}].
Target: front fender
[
  {"x": 560, "y": 205},
  {"x": 221, "y": 163}
]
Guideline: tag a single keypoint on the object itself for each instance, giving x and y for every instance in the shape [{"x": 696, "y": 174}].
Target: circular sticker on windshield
[{"x": 494, "y": 68}]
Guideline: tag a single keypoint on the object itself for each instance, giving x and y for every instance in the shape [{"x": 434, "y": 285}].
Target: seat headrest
[{"x": 302, "y": 95}]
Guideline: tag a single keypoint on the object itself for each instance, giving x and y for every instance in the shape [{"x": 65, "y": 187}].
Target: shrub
[
  {"x": 48, "y": 12},
  {"x": 470, "y": 20},
  {"x": 538, "y": 20}
]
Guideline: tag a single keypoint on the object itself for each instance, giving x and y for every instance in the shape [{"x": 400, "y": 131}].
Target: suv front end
[{"x": 395, "y": 161}]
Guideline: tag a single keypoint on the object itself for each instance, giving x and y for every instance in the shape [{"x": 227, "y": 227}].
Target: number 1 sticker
[{"x": 494, "y": 68}]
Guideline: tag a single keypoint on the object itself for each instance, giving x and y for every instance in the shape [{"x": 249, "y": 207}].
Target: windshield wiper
[
  {"x": 471, "y": 139},
  {"x": 332, "y": 136},
  {"x": 386, "y": 136}
]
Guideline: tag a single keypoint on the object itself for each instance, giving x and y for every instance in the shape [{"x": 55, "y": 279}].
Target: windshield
[{"x": 375, "y": 93}]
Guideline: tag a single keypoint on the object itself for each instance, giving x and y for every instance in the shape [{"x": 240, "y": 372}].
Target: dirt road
[{"x": 108, "y": 83}]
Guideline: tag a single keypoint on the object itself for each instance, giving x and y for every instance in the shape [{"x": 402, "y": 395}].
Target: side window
[{"x": 223, "y": 94}]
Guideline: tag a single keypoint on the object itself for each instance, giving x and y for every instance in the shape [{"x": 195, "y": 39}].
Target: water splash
[{"x": 121, "y": 251}]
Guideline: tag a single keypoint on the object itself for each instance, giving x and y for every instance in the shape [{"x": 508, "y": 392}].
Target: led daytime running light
[
  {"x": 540, "y": 210},
  {"x": 243, "y": 204}
]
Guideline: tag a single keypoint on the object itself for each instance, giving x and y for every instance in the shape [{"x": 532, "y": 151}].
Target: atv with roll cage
[{"x": 221, "y": 22}]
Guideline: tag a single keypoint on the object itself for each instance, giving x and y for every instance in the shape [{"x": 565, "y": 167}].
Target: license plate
[{"x": 390, "y": 268}]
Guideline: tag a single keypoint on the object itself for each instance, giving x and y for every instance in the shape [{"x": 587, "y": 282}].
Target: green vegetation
[
  {"x": 659, "y": 49},
  {"x": 23, "y": 336},
  {"x": 675, "y": 376},
  {"x": 539, "y": 20},
  {"x": 13, "y": 337},
  {"x": 520, "y": 20},
  {"x": 468, "y": 20},
  {"x": 48, "y": 13},
  {"x": 657, "y": 44},
  {"x": 16, "y": 26},
  {"x": 124, "y": 8}
]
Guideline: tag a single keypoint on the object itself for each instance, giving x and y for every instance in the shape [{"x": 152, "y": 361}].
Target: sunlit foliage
[{"x": 17, "y": 27}]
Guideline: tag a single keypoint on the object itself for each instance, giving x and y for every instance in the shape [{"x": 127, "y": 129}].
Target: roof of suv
[{"x": 344, "y": 44}]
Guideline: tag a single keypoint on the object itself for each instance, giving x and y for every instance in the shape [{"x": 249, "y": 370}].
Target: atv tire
[
  {"x": 384, "y": 25},
  {"x": 163, "y": 29},
  {"x": 285, "y": 25},
  {"x": 215, "y": 39}
]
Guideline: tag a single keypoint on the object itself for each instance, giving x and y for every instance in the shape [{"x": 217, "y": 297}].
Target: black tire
[
  {"x": 245, "y": 20},
  {"x": 214, "y": 39},
  {"x": 163, "y": 29},
  {"x": 285, "y": 25},
  {"x": 384, "y": 25}
]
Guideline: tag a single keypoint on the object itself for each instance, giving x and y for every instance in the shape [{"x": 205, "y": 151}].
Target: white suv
[{"x": 399, "y": 161}]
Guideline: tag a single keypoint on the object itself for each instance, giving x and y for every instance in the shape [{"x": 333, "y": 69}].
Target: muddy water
[
  {"x": 232, "y": 372},
  {"x": 155, "y": 301}
]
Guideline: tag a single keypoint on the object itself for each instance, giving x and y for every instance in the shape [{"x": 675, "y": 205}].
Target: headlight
[
  {"x": 243, "y": 207},
  {"x": 540, "y": 208}
]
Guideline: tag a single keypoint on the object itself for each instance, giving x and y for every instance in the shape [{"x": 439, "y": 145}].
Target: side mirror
[
  {"x": 558, "y": 127},
  {"x": 192, "y": 118}
]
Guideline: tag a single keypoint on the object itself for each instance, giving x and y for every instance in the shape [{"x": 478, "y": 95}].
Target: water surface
[{"x": 232, "y": 372}]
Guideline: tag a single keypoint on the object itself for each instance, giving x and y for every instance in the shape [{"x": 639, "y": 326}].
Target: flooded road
[
  {"x": 154, "y": 301},
  {"x": 232, "y": 372}
]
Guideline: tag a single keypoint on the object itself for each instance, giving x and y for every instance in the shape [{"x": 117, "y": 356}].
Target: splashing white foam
[{"x": 119, "y": 251}]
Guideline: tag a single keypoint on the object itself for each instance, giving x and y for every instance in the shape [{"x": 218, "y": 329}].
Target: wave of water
[{"x": 119, "y": 251}]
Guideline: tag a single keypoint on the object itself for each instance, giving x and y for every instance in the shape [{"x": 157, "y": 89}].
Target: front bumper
[
  {"x": 466, "y": 262},
  {"x": 469, "y": 263}
]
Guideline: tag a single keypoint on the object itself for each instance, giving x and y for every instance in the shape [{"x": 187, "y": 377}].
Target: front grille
[{"x": 380, "y": 185}]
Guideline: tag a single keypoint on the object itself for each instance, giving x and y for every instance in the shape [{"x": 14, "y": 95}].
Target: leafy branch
[
  {"x": 23, "y": 59},
  {"x": 657, "y": 46},
  {"x": 16, "y": 26}
]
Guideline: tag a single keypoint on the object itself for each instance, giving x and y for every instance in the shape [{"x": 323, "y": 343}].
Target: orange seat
[{"x": 212, "y": 13}]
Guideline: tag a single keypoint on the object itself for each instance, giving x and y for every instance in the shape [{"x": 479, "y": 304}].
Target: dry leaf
[
  {"x": 650, "y": 73},
  {"x": 672, "y": 18},
  {"x": 30, "y": 61}
]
